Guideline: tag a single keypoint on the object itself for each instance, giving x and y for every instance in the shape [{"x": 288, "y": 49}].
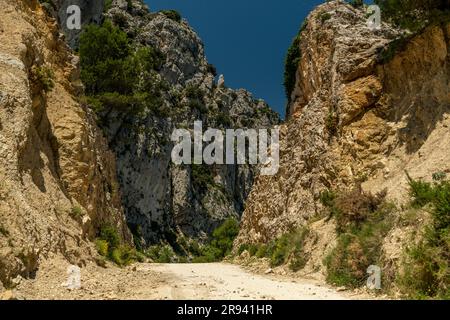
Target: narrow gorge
[{"x": 87, "y": 179}]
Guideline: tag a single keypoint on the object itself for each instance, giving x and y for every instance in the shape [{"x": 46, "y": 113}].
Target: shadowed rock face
[
  {"x": 162, "y": 199},
  {"x": 91, "y": 12},
  {"x": 159, "y": 197},
  {"x": 58, "y": 181}
]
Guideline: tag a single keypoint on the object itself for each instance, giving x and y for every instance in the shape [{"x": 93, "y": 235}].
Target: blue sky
[{"x": 246, "y": 40}]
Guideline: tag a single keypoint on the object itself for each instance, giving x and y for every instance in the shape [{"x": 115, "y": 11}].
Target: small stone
[{"x": 268, "y": 271}]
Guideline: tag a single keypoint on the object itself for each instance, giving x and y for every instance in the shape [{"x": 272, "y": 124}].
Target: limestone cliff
[
  {"x": 367, "y": 105},
  {"x": 57, "y": 176},
  {"x": 162, "y": 199}
]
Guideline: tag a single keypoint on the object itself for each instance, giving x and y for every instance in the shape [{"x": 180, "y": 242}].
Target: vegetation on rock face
[
  {"x": 201, "y": 177},
  {"x": 287, "y": 249},
  {"x": 116, "y": 75},
  {"x": 43, "y": 77},
  {"x": 426, "y": 266},
  {"x": 172, "y": 14},
  {"x": 291, "y": 65},
  {"x": 362, "y": 221},
  {"x": 414, "y": 14},
  {"x": 110, "y": 245},
  {"x": 189, "y": 250}
]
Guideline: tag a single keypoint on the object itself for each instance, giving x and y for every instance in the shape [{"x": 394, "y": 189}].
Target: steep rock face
[
  {"x": 356, "y": 115},
  {"x": 161, "y": 198},
  {"x": 91, "y": 12},
  {"x": 58, "y": 180}
]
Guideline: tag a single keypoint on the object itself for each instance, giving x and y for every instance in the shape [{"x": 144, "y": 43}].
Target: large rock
[
  {"x": 57, "y": 176},
  {"x": 160, "y": 198},
  {"x": 355, "y": 116}
]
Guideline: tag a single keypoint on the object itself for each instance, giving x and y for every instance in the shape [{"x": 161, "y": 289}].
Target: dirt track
[{"x": 172, "y": 281}]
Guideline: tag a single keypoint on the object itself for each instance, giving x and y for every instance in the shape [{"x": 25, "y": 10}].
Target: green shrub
[
  {"x": 44, "y": 77},
  {"x": 123, "y": 255},
  {"x": 117, "y": 76},
  {"x": 287, "y": 248},
  {"x": 426, "y": 269},
  {"x": 111, "y": 236},
  {"x": 356, "y": 3},
  {"x": 102, "y": 247},
  {"x": 362, "y": 221},
  {"x": 356, "y": 250},
  {"x": 107, "y": 5},
  {"x": 76, "y": 213},
  {"x": 253, "y": 249},
  {"x": 202, "y": 177},
  {"x": 221, "y": 243},
  {"x": 104, "y": 52},
  {"x": 211, "y": 69},
  {"x": 224, "y": 120},
  {"x": 172, "y": 14},
  {"x": 109, "y": 244},
  {"x": 199, "y": 106},
  {"x": 194, "y": 92},
  {"x": 414, "y": 15},
  {"x": 353, "y": 207},
  {"x": 324, "y": 16},
  {"x": 262, "y": 251},
  {"x": 332, "y": 122},
  {"x": 242, "y": 248},
  {"x": 291, "y": 65}
]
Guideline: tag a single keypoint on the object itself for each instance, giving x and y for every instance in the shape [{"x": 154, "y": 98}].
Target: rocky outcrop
[
  {"x": 367, "y": 106},
  {"x": 160, "y": 198},
  {"x": 90, "y": 12},
  {"x": 57, "y": 176}
]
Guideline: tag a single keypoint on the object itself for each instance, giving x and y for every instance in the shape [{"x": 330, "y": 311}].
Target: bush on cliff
[{"x": 426, "y": 264}]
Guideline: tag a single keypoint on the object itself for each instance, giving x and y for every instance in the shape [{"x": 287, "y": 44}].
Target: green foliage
[
  {"x": 352, "y": 208},
  {"x": 161, "y": 254},
  {"x": 357, "y": 249},
  {"x": 362, "y": 221},
  {"x": 332, "y": 122},
  {"x": 426, "y": 269},
  {"x": 414, "y": 14},
  {"x": 324, "y": 16},
  {"x": 102, "y": 247},
  {"x": 328, "y": 198},
  {"x": 118, "y": 77},
  {"x": 44, "y": 77},
  {"x": 421, "y": 192},
  {"x": 194, "y": 92},
  {"x": 103, "y": 58},
  {"x": 211, "y": 69},
  {"x": 76, "y": 213},
  {"x": 109, "y": 244},
  {"x": 201, "y": 177},
  {"x": 172, "y": 14},
  {"x": 291, "y": 65},
  {"x": 221, "y": 243},
  {"x": 196, "y": 105},
  {"x": 388, "y": 53},
  {"x": 356, "y": 3},
  {"x": 289, "y": 248},
  {"x": 224, "y": 120},
  {"x": 107, "y": 6}
]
